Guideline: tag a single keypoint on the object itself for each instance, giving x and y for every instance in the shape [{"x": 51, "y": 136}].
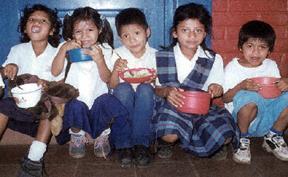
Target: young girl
[
  {"x": 255, "y": 115},
  {"x": 39, "y": 27},
  {"x": 191, "y": 65},
  {"x": 86, "y": 28},
  {"x": 134, "y": 32}
]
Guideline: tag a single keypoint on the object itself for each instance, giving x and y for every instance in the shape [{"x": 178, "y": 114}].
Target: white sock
[
  {"x": 81, "y": 132},
  {"x": 37, "y": 150}
]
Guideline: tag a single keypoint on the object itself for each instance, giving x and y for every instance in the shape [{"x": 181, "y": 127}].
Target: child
[
  {"x": 191, "y": 65},
  {"x": 255, "y": 115},
  {"x": 134, "y": 32},
  {"x": 86, "y": 28},
  {"x": 39, "y": 27}
]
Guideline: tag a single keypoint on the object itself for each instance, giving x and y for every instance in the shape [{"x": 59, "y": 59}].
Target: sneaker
[
  {"x": 77, "y": 146},
  {"x": 164, "y": 150},
  {"x": 276, "y": 145},
  {"x": 102, "y": 145},
  {"x": 243, "y": 155},
  {"x": 125, "y": 157},
  {"x": 31, "y": 168},
  {"x": 142, "y": 156}
]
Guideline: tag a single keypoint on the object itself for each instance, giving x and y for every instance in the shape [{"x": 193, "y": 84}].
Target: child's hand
[
  {"x": 43, "y": 83},
  {"x": 215, "y": 90},
  {"x": 175, "y": 97},
  {"x": 283, "y": 84},
  {"x": 10, "y": 70},
  {"x": 95, "y": 52},
  {"x": 248, "y": 84},
  {"x": 70, "y": 44},
  {"x": 153, "y": 78},
  {"x": 120, "y": 65}
]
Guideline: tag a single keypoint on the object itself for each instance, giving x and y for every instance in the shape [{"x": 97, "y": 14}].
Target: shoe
[
  {"x": 77, "y": 147},
  {"x": 125, "y": 157},
  {"x": 31, "y": 168},
  {"x": 102, "y": 145},
  {"x": 276, "y": 145},
  {"x": 221, "y": 154},
  {"x": 164, "y": 149},
  {"x": 142, "y": 156},
  {"x": 243, "y": 154}
]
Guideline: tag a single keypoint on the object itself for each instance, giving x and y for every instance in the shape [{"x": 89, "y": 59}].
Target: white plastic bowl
[{"x": 28, "y": 95}]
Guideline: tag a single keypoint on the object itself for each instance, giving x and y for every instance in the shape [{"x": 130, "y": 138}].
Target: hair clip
[{"x": 102, "y": 17}]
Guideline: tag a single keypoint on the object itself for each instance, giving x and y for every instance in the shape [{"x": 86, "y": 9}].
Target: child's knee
[{"x": 170, "y": 138}]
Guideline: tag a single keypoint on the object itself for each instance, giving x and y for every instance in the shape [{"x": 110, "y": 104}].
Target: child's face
[
  {"x": 134, "y": 37},
  {"x": 190, "y": 33},
  {"x": 85, "y": 33},
  {"x": 38, "y": 26},
  {"x": 254, "y": 52}
]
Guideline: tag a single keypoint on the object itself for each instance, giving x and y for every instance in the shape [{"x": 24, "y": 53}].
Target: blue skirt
[
  {"x": 20, "y": 120},
  {"x": 269, "y": 110}
]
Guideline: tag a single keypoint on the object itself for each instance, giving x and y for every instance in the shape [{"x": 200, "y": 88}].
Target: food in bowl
[
  {"x": 268, "y": 86},
  {"x": 196, "y": 102},
  {"x": 137, "y": 75},
  {"x": 77, "y": 55},
  {"x": 27, "y": 95}
]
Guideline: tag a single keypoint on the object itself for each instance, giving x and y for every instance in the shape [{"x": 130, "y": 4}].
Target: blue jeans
[{"x": 140, "y": 106}]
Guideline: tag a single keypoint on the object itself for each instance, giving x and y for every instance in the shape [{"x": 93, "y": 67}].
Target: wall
[{"x": 229, "y": 15}]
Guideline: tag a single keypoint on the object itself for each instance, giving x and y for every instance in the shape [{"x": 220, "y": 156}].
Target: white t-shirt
[
  {"x": 184, "y": 66},
  {"x": 147, "y": 60},
  {"x": 24, "y": 56},
  {"x": 236, "y": 73},
  {"x": 85, "y": 77}
]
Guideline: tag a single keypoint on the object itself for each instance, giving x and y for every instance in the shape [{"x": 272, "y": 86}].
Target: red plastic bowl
[
  {"x": 134, "y": 78},
  {"x": 195, "y": 102},
  {"x": 268, "y": 85}
]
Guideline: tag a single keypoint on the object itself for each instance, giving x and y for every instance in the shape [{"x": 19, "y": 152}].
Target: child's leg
[
  {"x": 245, "y": 116},
  {"x": 282, "y": 122},
  {"x": 3, "y": 123}
]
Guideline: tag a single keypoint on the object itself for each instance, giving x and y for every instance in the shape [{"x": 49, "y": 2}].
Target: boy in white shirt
[
  {"x": 255, "y": 115},
  {"x": 134, "y": 32}
]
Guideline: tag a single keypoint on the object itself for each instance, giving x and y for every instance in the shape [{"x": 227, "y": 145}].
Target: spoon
[{"x": 130, "y": 72}]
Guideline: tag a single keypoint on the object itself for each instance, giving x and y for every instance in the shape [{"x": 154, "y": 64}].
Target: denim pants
[{"x": 140, "y": 106}]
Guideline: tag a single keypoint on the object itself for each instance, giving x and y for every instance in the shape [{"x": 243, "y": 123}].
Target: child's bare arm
[
  {"x": 119, "y": 66},
  {"x": 247, "y": 84},
  {"x": 283, "y": 84},
  {"x": 59, "y": 60}
]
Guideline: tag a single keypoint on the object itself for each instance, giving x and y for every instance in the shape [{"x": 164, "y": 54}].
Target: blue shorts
[{"x": 269, "y": 110}]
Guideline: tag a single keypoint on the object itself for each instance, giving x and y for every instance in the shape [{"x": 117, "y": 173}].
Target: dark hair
[
  {"x": 88, "y": 13},
  {"x": 191, "y": 11},
  {"x": 259, "y": 30},
  {"x": 56, "y": 24},
  {"x": 130, "y": 16}
]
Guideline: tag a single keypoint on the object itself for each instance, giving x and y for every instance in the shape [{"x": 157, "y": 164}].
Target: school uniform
[
  {"x": 201, "y": 135},
  {"x": 23, "y": 55},
  {"x": 138, "y": 99},
  {"x": 94, "y": 110}
]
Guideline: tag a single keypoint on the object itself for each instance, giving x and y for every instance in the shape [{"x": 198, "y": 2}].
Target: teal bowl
[{"x": 77, "y": 55}]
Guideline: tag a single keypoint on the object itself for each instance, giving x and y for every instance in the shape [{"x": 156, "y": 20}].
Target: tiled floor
[{"x": 59, "y": 164}]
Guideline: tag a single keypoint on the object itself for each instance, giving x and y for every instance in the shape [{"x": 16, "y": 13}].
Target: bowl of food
[
  {"x": 195, "y": 102},
  {"x": 27, "y": 95},
  {"x": 137, "y": 75},
  {"x": 77, "y": 55},
  {"x": 268, "y": 86}
]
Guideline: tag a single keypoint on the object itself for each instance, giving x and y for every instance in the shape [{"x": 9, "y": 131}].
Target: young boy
[
  {"x": 255, "y": 115},
  {"x": 40, "y": 28},
  {"x": 134, "y": 32}
]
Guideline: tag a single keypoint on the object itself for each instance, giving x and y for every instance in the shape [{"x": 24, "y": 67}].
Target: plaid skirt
[{"x": 201, "y": 135}]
